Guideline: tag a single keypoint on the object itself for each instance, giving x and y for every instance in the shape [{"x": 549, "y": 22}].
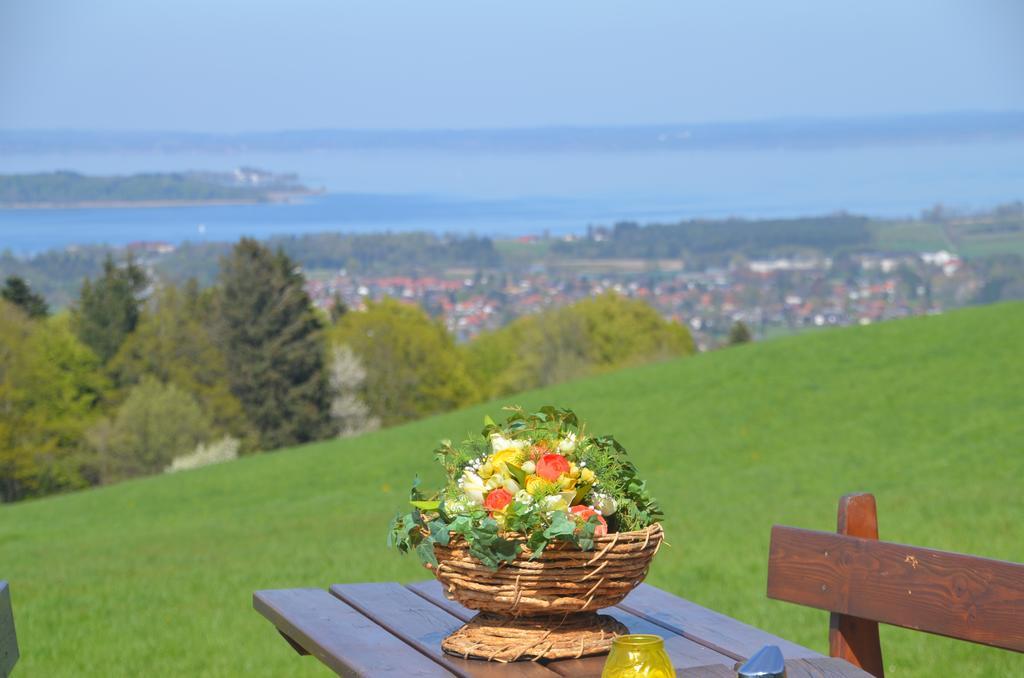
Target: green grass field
[{"x": 155, "y": 577}]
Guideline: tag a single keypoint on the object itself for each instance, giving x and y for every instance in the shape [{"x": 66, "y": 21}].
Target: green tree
[
  {"x": 49, "y": 388},
  {"x": 739, "y": 333},
  {"x": 174, "y": 343},
  {"x": 413, "y": 368},
  {"x": 108, "y": 308},
  {"x": 17, "y": 291},
  {"x": 272, "y": 339},
  {"x": 156, "y": 423},
  {"x": 594, "y": 335}
]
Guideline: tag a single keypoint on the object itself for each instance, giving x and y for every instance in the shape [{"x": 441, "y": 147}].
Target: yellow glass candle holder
[{"x": 638, "y": 656}]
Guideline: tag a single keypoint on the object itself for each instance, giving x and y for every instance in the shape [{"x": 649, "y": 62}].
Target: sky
[{"x": 227, "y": 66}]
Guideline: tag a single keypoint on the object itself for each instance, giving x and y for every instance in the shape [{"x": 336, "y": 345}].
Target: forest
[{"x": 139, "y": 376}]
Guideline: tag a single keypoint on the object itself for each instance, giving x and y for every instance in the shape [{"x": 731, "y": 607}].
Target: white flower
[
  {"x": 500, "y": 442},
  {"x": 529, "y": 467},
  {"x": 524, "y": 497},
  {"x": 473, "y": 486},
  {"x": 511, "y": 485},
  {"x": 568, "y": 444}
]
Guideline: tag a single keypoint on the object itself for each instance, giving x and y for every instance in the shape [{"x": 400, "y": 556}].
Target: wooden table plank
[
  {"x": 684, "y": 652},
  {"x": 341, "y": 637},
  {"x": 808, "y": 667},
  {"x": 829, "y": 666},
  {"x": 711, "y": 671},
  {"x": 422, "y": 624},
  {"x": 707, "y": 627}
]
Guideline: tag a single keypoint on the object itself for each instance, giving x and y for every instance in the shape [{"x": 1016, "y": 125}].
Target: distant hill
[
  {"x": 155, "y": 576},
  {"x": 63, "y": 189},
  {"x": 771, "y": 134}
]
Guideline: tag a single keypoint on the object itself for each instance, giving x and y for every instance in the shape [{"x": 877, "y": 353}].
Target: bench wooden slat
[
  {"x": 340, "y": 636},
  {"x": 8, "y": 638},
  {"x": 707, "y": 627},
  {"x": 423, "y": 625},
  {"x": 684, "y": 653},
  {"x": 949, "y": 594}
]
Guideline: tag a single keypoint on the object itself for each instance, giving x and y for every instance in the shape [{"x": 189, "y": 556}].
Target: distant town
[
  {"x": 775, "y": 276},
  {"x": 771, "y": 296}
]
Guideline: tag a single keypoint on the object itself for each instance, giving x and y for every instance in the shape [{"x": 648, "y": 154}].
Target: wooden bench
[
  {"x": 8, "y": 641},
  {"x": 863, "y": 581}
]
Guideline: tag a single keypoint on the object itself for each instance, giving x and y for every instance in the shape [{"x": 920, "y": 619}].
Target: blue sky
[{"x": 241, "y": 66}]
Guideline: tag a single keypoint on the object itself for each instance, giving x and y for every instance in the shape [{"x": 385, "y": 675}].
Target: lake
[{"x": 511, "y": 194}]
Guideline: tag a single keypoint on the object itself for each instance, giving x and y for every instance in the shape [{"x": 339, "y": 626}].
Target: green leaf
[
  {"x": 488, "y": 421},
  {"x": 425, "y": 551},
  {"x": 426, "y": 505},
  {"x": 440, "y": 532},
  {"x": 517, "y": 473},
  {"x": 562, "y": 526},
  {"x": 581, "y": 492}
]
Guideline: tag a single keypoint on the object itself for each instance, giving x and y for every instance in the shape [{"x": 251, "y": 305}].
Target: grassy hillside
[{"x": 155, "y": 576}]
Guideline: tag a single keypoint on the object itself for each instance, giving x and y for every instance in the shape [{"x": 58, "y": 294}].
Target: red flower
[
  {"x": 585, "y": 512},
  {"x": 551, "y": 466},
  {"x": 497, "y": 499}
]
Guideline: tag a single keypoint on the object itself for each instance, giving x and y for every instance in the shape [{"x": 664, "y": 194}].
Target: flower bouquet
[{"x": 539, "y": 525}]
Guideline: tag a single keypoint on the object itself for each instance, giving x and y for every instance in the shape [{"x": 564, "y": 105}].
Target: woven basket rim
[{"x": 458, "y": 542}]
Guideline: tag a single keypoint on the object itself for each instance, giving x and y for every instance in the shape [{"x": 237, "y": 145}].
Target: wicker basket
[
  {"x": 564, "y": 579},
  {"x": 547, "y": 605}
]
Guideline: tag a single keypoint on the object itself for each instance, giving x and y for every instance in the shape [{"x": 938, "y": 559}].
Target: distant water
[{"x": 515, "y": 194}]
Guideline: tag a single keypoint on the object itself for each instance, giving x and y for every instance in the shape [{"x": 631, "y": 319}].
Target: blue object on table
[{"x": 766, "y": 663}]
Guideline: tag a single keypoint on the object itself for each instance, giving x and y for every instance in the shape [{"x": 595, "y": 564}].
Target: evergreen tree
[
  {"x": 739, "y": 333},
  {"x": 272, "y": 338},
  {"x": 108, "y": 308},
  {"x": 17, "y": 291},
  {"x": 338, "y": 307}
]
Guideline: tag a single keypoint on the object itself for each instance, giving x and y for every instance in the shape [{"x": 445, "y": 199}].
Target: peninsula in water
[{"x": 64, "y": 190}]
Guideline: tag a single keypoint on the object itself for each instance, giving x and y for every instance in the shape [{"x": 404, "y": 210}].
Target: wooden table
[{"x": 394, "y": 630}]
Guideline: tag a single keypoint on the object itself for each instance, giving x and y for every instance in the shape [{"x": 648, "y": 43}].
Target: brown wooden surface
[
  {"x": 855, "y": 639},
  {"x": 809, "y": 667},
  {"x": 340, "y": 637},
  {"x": 389, "y": 629},
  {"x": 949, "y": 594},
  {"x": 423, "y": 625},
  {"x": 684, "y": 652},
  {"x": 709, "y": 628},
  {"x": 8, "y": 638}
]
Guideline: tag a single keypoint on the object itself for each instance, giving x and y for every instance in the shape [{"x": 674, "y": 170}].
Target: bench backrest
[
  {"x": 966, "y": 597},
  {"x": 8, "y": 641},
  {"x": 858, "y": 577}
]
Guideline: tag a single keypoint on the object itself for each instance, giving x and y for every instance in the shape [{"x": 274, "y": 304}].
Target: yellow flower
[
  {"x": 537, "y": 485},
  {"x": 587, "y": 476},
  {"x": 487, "y": 470},
  {"x": 566, "y": 482},
  {"x": 508, "y": 455}
]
